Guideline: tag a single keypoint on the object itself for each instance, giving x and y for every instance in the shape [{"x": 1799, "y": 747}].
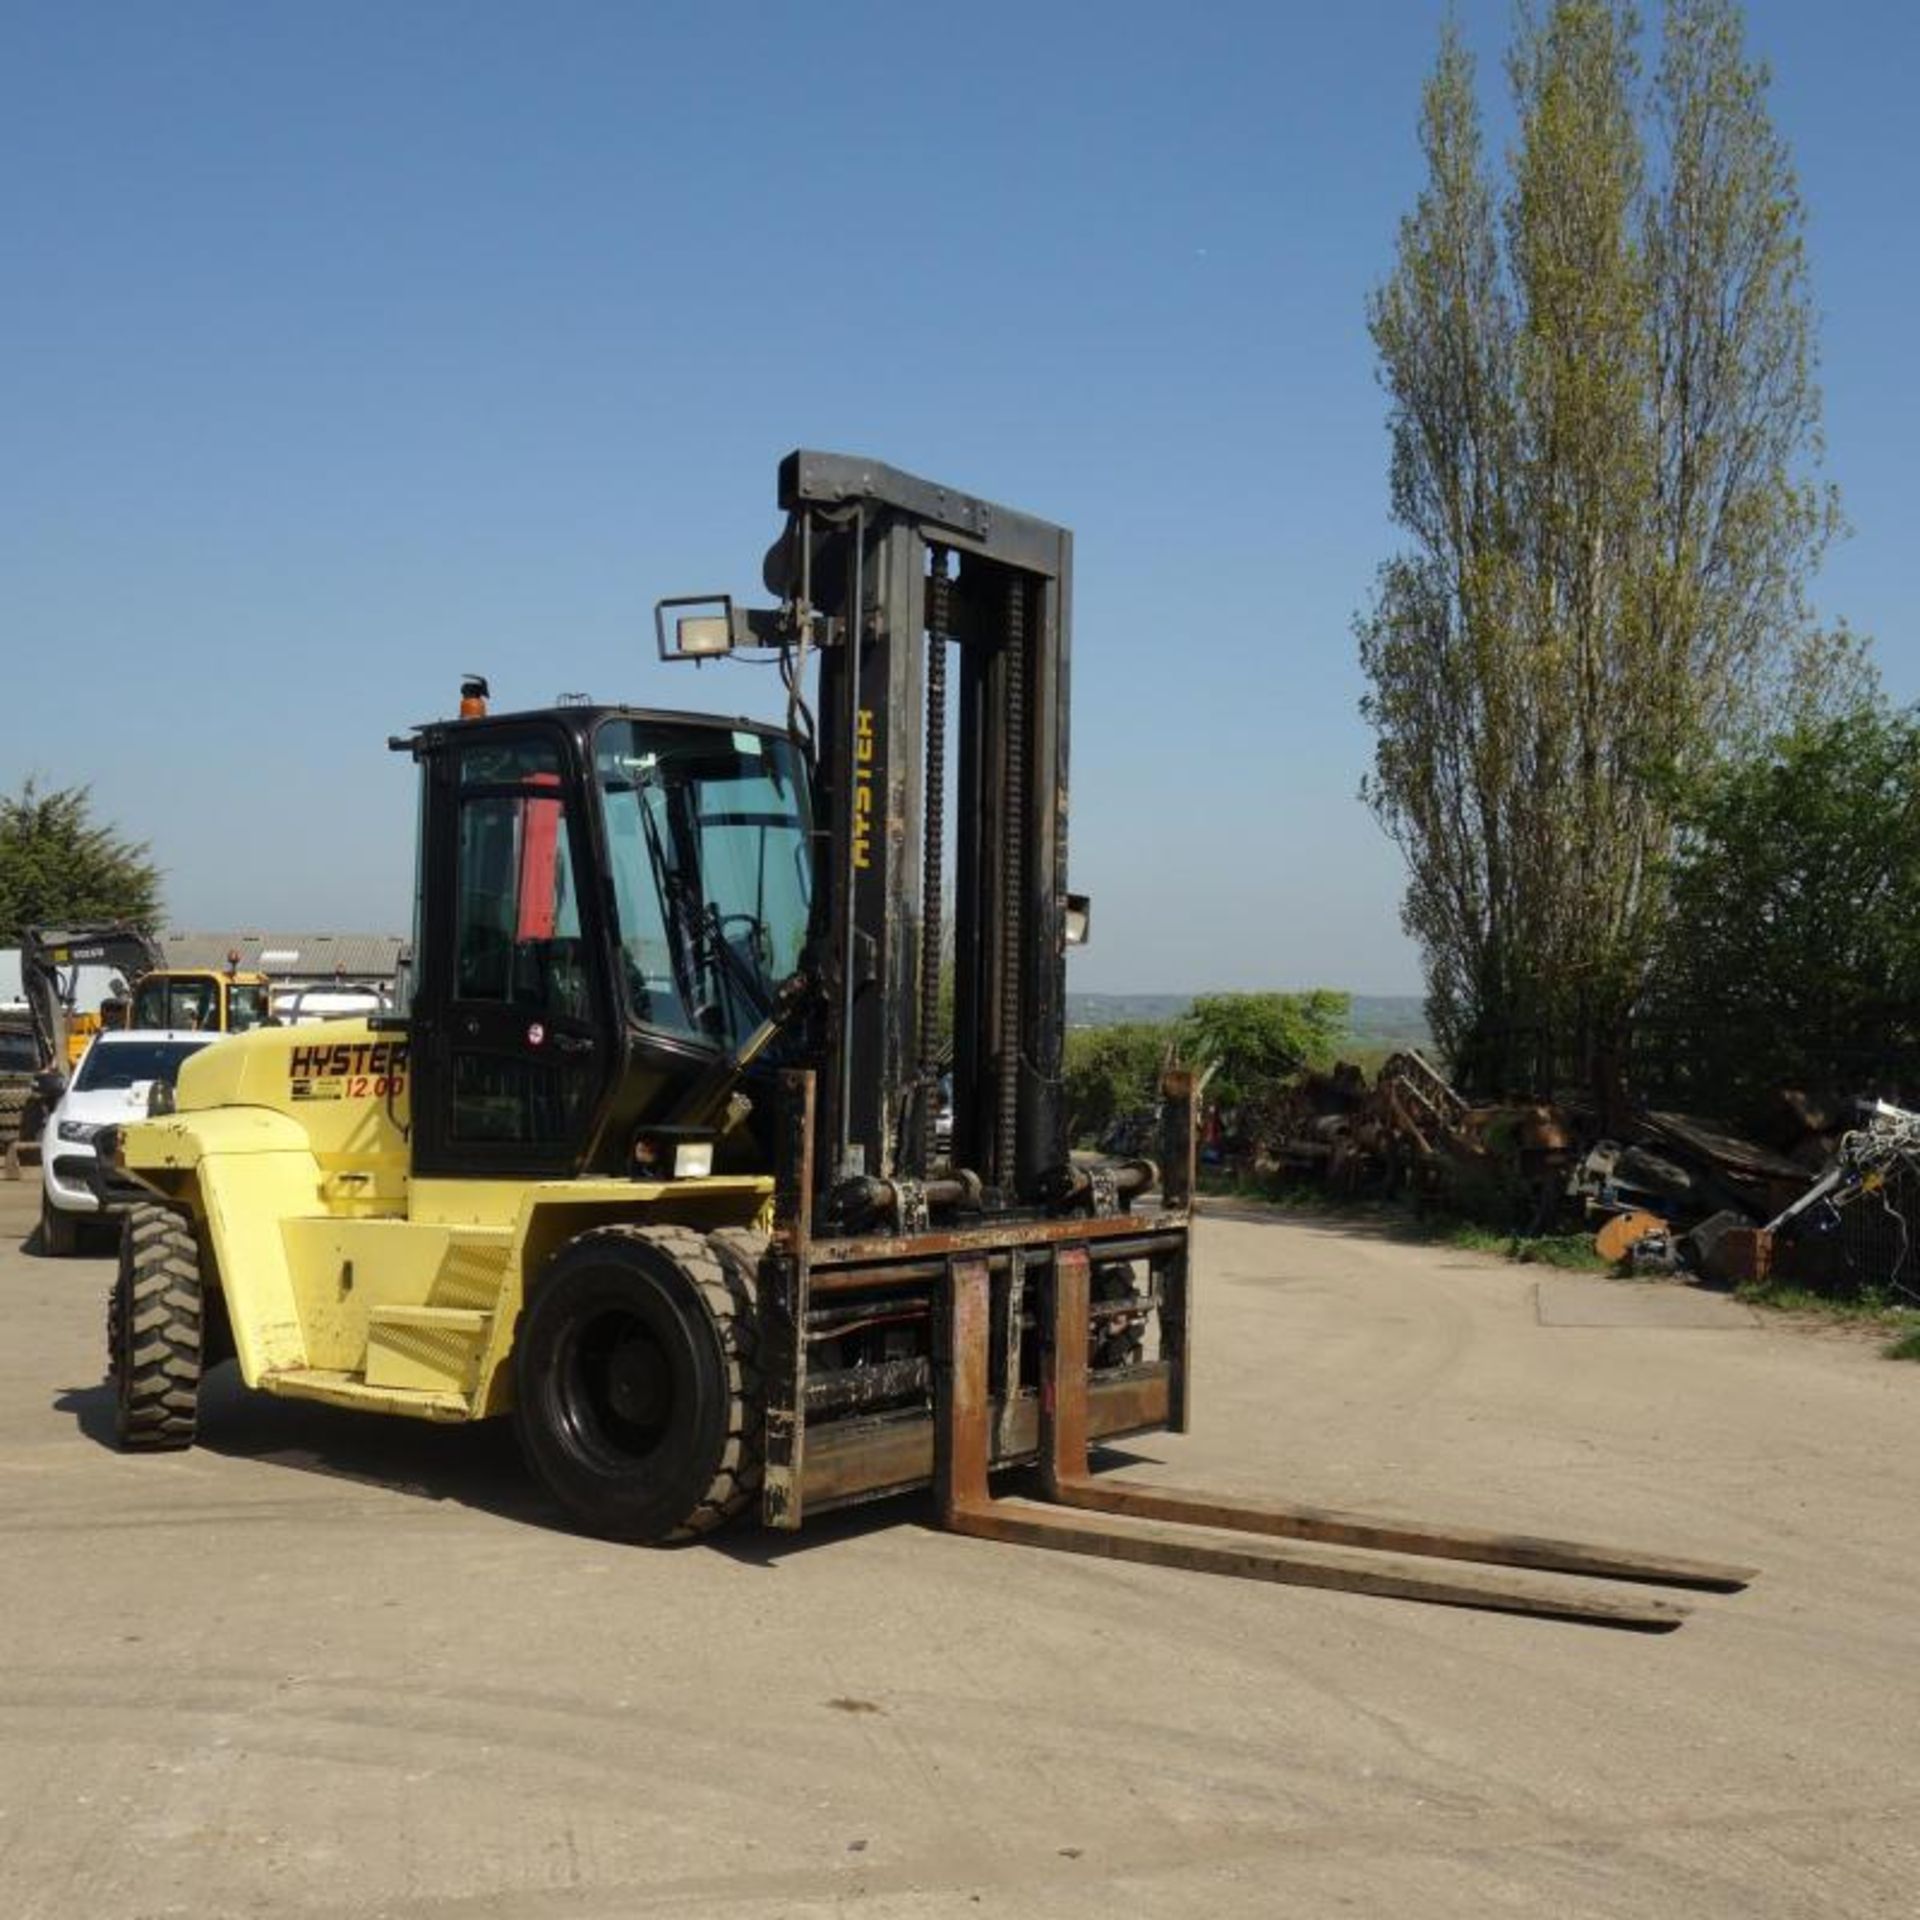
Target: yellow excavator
[
  {"x": 201, "y": 999},
  {"x": 180, "y": 999},
  {"x": 51, "y": 959},
  {"x": 666, "y": 1152}
]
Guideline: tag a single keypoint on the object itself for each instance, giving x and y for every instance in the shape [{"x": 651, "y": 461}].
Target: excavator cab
[{"x": 199, "y": 1000}]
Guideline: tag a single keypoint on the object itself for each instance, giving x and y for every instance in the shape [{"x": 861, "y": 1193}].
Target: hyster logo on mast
[{"x": 863, "y": 790}]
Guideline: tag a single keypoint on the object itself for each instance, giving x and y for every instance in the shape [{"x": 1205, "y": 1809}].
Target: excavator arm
[{"x": 50, "y": 958}]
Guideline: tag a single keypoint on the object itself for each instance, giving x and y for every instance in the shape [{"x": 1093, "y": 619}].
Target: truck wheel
[
  {"x": 14, "y": 1095},
  {"x": 153, "y": 1333},
  {"x": 637, "y": 1393},
  {"x": 59, "y": 1232}
]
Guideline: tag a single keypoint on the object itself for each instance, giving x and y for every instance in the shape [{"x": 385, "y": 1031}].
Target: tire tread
[
  {"x": 721, "y": 1267},
  {"x": 155, "y": 1314}
]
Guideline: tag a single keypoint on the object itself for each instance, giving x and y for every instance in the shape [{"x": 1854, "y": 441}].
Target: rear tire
[
  {"x": 14, "y": 1095},
  {"x": 636, "y": 1386},
  {"x": 154, "y": 1317},
  {"x": 59, "y": 1232}
]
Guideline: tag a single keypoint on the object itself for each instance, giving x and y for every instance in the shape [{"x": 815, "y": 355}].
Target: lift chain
[
  {"x": 910, "y": 1201},
  {"x": 1105, "y": 1189},
  {"x": 1013, "y": 871},
  {"x": 939, "y": 626}
]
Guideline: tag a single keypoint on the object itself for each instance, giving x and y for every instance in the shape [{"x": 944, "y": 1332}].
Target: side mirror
[
  {"x": 1079, "y": 919},
  {"x": 50, "y": 1083},
  {"x": 395, "y": 1015}
]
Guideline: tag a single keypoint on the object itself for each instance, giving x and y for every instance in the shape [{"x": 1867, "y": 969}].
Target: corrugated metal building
[{"x": 289, "y": 956}]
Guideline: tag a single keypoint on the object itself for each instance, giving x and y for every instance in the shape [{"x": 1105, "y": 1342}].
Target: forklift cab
[{"x": 611, "y": 902}]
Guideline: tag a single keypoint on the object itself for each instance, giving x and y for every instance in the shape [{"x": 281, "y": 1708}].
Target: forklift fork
[{"x": 1122, "y": 1519}]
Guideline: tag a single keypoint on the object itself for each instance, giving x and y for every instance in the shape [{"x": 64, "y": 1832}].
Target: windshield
[
  {"x": 114, "y": 1068},
  {"x": 248, "y": 1007},
  {"x": 189, "y": 1002},
  {"x": 710, "y": 831}
]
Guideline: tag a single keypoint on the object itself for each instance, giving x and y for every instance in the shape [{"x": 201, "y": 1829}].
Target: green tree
[
  {"x": 58, "y": 865},
  {"x": 1110, "y": 1071},
  {"x": 1603, "y": 423},
  {"x": 1794, "y": 953},
  {"x": 1250, "y": 1042}
]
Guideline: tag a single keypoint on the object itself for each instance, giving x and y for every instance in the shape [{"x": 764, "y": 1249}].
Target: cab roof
[{"x": 580, "y": 721}]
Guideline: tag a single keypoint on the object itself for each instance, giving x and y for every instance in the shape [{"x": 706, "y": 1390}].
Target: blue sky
[{"x": 348, "y": 348}]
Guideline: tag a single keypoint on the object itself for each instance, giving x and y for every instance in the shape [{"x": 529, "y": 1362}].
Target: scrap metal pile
[{"x": 1827, "y": 1195}]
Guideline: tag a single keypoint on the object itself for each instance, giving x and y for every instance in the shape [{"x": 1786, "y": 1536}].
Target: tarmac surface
[{"x": 328, "y": 1665}]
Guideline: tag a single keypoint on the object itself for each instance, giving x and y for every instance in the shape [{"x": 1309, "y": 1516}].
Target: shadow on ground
[{"x": 477, "y": 1465}]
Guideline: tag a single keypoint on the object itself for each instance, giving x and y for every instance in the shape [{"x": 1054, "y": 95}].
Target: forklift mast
[{"x": 944, "y": 625}]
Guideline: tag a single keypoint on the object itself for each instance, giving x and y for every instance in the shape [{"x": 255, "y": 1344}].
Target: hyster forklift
[{"x": 645, "y": 1157}]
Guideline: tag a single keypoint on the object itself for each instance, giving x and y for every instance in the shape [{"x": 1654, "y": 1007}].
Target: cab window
[{"x": 523, "y": 1071}]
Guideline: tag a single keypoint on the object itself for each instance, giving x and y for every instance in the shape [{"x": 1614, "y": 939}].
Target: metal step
[
  {"x": 351, "y": 1390},
  {"x": 426, "y": 1349}
]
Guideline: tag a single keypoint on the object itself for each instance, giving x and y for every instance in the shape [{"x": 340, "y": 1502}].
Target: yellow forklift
[{"x": 665, "y": 1153}]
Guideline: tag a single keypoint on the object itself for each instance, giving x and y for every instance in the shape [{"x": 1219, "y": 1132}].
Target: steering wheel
[{"x": 754, "y": 939}]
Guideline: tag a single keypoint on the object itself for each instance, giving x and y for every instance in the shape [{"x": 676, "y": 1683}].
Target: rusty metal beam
[
  {"x": 963, "y": 1440},
  {"x": 880, "y": 1250},
  {"x": 1166, "y": 1245},
  {"x": 868, "y": 1457}
]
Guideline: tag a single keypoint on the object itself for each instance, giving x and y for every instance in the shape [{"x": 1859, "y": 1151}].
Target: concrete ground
[{"x": 328, "y": 1665}]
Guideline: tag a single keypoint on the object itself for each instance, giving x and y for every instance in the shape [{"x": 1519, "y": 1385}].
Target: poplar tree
[{"x": 1603, "y": 424}]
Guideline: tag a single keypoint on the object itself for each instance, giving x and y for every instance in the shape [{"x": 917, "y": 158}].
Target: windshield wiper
[
  {"x": 690, "y": 969},
  {"x": 748, "y": 980}
]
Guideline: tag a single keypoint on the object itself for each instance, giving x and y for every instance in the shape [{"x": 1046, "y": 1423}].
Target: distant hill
[
  {"x": 1381, "y": 1021},
  {"x": 1116, "y": 1009}
]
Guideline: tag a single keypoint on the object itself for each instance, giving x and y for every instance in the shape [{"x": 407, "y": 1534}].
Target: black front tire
[
  {"x": 636, "y": 1386},
  {"x": 154, "y": 1318},
  {"x": 59, "y": 1232}
]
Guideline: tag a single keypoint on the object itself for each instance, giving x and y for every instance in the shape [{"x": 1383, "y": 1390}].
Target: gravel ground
[{"x": 329, "y": 1665}]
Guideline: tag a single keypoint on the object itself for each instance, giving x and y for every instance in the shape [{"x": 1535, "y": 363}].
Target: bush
[
  {"x": 1254, "y": 1041},
  {"x": 1110, "y": 1071},
  {"x": 1793, "y": 950}
]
